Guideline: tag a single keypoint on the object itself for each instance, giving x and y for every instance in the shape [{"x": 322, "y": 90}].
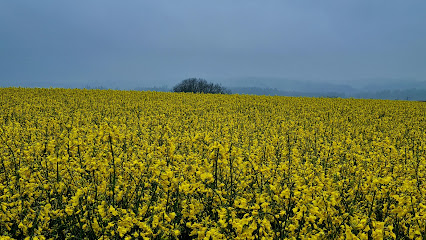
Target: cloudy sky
[{"x": 128, "y": 44}]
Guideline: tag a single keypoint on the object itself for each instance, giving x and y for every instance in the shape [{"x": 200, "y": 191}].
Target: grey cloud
[{"x": 146, "y": 43}]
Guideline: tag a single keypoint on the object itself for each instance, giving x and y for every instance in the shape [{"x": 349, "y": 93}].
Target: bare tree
[{"x": 199, "y": 86}]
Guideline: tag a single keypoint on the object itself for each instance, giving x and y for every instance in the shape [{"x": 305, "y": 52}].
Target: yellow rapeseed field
[{"x": 103, "y": 164}]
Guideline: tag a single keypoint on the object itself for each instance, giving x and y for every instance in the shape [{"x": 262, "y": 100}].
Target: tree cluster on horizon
[{"x": 199, "y": 85}]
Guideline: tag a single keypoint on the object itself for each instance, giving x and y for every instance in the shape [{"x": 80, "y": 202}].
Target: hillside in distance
[{"x": 382, "y": 88}]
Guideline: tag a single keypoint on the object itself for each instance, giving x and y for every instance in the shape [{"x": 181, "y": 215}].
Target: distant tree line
[
  {"x": 404, "y": 94},
  {"x": 154, "y": 89},
  {"x": 96, "y": 87},
  {"x": 198, "y": 85},
  {"x": 277, "y": 92}
]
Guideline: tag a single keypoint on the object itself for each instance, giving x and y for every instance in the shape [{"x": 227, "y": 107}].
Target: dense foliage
[{"x": 103, "y": 164}]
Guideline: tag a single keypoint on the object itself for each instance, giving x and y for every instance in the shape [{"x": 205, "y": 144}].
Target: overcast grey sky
[{"x": 128, "y": 44}]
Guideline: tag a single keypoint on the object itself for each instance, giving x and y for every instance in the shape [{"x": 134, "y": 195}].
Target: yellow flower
[
  {"x": 69, "y": 210},
  {"x": 134, "y": 164}
]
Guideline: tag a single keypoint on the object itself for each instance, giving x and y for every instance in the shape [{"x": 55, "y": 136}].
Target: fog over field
[{"x": 346, "y": 48}]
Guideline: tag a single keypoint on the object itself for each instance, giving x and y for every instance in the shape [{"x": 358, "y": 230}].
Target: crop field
[{"x": 103, "y": 164}]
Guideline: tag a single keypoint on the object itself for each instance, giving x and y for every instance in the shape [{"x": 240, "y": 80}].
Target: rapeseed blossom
[{"x": 92, "y": 164}]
